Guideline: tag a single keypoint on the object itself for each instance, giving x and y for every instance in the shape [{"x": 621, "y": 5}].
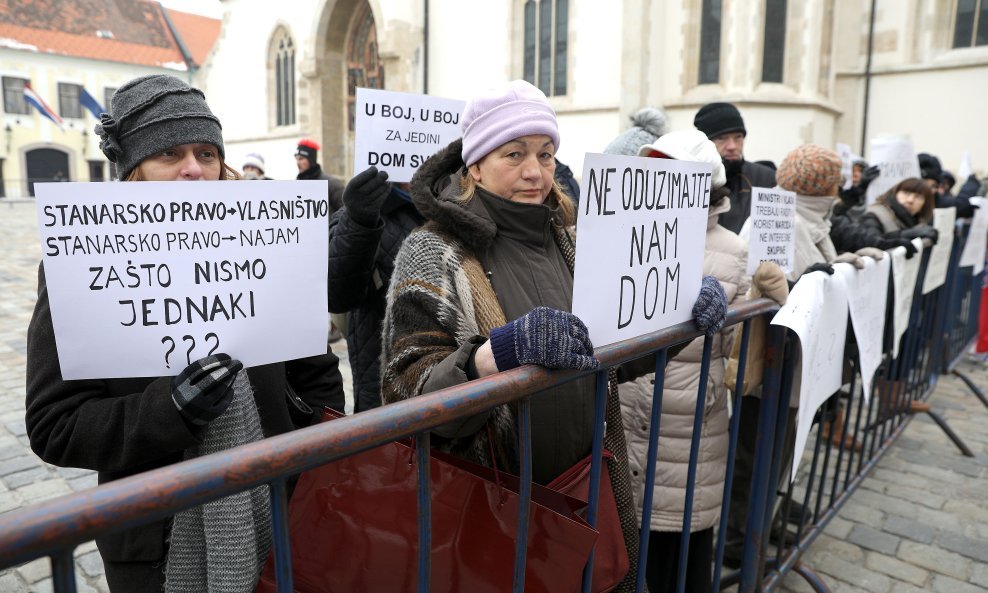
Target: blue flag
[{"x": 90, "y": 103}]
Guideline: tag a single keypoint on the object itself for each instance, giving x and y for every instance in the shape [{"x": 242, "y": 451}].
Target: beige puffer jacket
[{"x": 725, "y": 258}]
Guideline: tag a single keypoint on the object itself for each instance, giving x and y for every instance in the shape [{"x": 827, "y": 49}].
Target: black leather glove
[
  {"x": 921, "y": 231},
  {"x": 867, "y": 176},
  {"x": 819, "y": 267},
  {"x": 364, "y": 195},
  {"x": 204, "y": 389},
  {"x": 886, "y": 244}
]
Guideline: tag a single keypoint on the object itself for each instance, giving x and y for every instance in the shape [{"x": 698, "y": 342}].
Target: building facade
[
  {"x": 797, "y": 70},
  {"x": 63, "y": 55}
]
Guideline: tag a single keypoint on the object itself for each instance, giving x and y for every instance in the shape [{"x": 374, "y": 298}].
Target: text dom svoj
[{"x": 641, "y": 233}]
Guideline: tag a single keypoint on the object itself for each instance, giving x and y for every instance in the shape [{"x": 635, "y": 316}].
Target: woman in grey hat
[{"x": 160, "y": 129}]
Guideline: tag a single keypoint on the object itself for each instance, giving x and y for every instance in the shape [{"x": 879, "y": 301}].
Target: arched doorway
[
  {"x": 45, "y": 164},
  {"x": 347, "y": 58},
  {"x": 364, "y": 68}
]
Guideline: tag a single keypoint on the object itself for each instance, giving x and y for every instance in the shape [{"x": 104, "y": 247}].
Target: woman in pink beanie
[{"x": 486, "y": 285}]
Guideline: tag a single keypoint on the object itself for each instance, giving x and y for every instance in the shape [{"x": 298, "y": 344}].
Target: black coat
[
  {"x": 335, "y": 185},
  {"x": 740, "y": 184},
  {"x": 121, "y": 427},
  {"x": 361, "y": 260},
  {"x": 848, "y": 232}
]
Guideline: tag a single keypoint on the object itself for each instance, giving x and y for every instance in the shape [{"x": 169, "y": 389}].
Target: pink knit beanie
[{"x": 500, "y": 116}]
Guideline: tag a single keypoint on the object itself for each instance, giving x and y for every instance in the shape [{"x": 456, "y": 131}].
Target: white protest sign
[
  {"x": 771, "y": 228},
  {"x": 397, "y": 132},
  {"x": 846, "y": 161},
  {"x": 145, "y": 277},
  {"x": 936, "y": 270},
  {"x": 817, "y": 311},
  {"x": 904, "y": 273},
  {"x": 965, "y": 169},
  {"x": 639, "y": 245},
  {"x": 867, "y": 296},
  {"x": 896, "y": 160},
  {"x": 974, "y": 247}
]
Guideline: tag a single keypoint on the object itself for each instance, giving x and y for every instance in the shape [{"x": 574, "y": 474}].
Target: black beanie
[
  {"x": 929, "y": 166},
  {"x": 152, "y": 113},
  {"x": 714, "y": 119},
  {"x": 309, "y": 149}
]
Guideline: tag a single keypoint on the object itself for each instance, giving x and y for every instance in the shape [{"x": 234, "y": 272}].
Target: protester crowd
[{"x": 464, "y": 272}]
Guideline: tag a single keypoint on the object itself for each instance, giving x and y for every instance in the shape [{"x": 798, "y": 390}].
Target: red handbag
[
  {"x": 353, "y": 526},
  {"x": 610, "y": 561}
]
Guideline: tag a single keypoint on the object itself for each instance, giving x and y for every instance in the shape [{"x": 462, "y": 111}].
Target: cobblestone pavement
[{"x": 919, "y": 522}]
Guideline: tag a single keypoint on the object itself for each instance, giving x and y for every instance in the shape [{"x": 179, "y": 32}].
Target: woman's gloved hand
[
  {"x": 365, "y": 194},
  {"x": 872, "y": 252},
  {"x": 887, "y": 244},
  {"x": 710, "y": 309},
  {"x": 546, "y": 337},
  {"x": 867, "y": 176},
  {"x": 920, "y": 231},
  {"x": 849, "y": 258},
  {"x": 819, "y": 267},
  {"x": 770, "y": 282},
  {"x": 204, "y": 389}
]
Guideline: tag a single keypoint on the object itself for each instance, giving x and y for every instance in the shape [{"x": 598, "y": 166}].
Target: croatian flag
[
  {"x": 38, "y": 103},
  {"x": 90, "y": 103}
]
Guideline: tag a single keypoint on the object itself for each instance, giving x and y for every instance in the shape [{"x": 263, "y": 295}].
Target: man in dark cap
[
  {"x": 932, "y": 173},
  {"x": 722, "y": 123},
  {"x": 306, "y": 154}
]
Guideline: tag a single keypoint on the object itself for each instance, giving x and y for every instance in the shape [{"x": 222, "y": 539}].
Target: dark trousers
[
  {"x": 135, "y": 577},
  {"x": 663, "y": 561},
  {"x": 744, "y": 466}
]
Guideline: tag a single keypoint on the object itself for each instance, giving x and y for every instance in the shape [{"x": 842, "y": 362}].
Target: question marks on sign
[
  {"x": 188, "y": 353},
  {"x": 171, "y": 349},
  {"x": 215, "y": 346}
]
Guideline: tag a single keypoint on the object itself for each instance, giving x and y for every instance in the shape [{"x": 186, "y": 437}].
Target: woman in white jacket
[{"x": 725, "y": 258}]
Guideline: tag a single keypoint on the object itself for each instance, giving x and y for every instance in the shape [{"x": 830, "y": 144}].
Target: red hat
[{"x": 308, "y": 148}]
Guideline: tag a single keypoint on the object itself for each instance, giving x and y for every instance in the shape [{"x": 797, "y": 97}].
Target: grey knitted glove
[
  {"x": 364, "y": 195},
  {"x": 710, "y": 309},
  {"x": 204, "y": 389},
  {"x": 546, "y": 337}
]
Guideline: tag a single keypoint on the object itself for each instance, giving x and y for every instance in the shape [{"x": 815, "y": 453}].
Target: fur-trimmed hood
[{"x": 435, "y": 193}]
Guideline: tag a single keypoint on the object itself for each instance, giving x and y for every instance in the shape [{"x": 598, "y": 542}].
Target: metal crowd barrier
[{"x": 54, "y": 528}]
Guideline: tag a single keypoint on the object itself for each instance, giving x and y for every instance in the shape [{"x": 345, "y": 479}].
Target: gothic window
[
  {"x": 774, "y": 50},
  {"x": 364, "y": 67},
  {"x": 710, "y": 42},
  {"x": 971, "y": 26},
  {"x": 283, "y": 56},
  {"x": 545, "y": 42}
]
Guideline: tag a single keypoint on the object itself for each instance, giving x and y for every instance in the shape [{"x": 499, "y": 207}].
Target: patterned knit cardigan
[{"x": 439, "y": 298}]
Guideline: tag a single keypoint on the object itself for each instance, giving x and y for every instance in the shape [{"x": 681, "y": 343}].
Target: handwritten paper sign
[
  {"x": 974, "y": 247},
  {"x": 639, "y": 246},
  {"x": 904, "y": 273},
  {"x": 145, "y": 277},
  {"x": 867, "y": 296},
  {"x": 817, "y": 311},
  {"x": 936, "y": 270},
  {"x": 397, "y": 132},
  {"x": 896, "y": 160},
  {"x": 772, "y": 226},
  {"x": 846, "y": 164}
]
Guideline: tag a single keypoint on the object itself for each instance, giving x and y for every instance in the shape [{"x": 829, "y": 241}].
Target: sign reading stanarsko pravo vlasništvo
[{"x": 143, "y": 278}]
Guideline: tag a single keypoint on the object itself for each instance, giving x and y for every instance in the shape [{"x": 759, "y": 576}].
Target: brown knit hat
[{"x": 809, "y": 170}]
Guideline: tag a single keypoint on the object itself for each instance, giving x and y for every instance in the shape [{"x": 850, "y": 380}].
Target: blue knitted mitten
[
  {"x": 546, "y": 337},
  {"x": 710, "y": 309}
]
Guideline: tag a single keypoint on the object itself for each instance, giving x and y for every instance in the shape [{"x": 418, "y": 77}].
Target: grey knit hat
[
  {"x": 647, "y": 124},
  {"x": 152, "y": 113}
]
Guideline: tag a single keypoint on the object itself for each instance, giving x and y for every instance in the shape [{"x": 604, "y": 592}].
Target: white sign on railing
[
  {"x": 772, "y": 228},
  {"x": 145, "y": 277},
  {"x": 867, "y": 297},
  {"x": 936, "y": 270},
  {"x": 817, "y": 311},
  {"x": 974, "y": 247},
  {"x": 904, "y": 273},
  {"x": 639, "y": 246},
  {"x": 846, "y": 164},
  {"x": 397, "y": 132}
]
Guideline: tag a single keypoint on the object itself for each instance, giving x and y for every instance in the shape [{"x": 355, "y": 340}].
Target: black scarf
[
  {"x": 908, "y": 220},
  {"x": 313, "y": 172}
]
